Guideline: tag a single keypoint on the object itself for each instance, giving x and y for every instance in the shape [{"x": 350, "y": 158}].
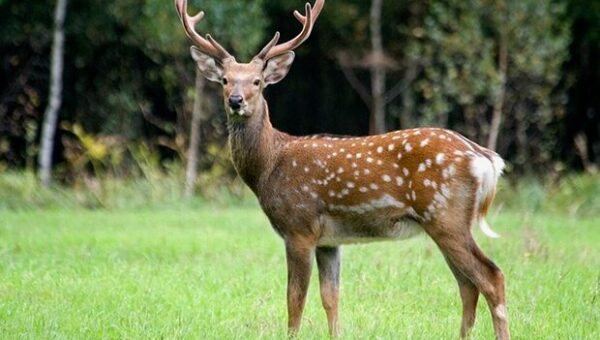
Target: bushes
[
  {"x": 156, "y": 188},
  {"x": 163, "y": 187}
]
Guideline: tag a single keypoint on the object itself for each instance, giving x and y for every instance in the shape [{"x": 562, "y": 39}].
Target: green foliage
[
  {"x": 574, "y": 196},
  {"x": 216, "y": 273},
  {"x": 128, "y": 72},
  {"x": 459, "y": 68},
  {"x": 458, "y": 46},
  {"x": 155, "y": 187}
]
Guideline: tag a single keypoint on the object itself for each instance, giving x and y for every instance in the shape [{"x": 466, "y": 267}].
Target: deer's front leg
[
  {"x": 299, "y": 254},
  {"x": 328, "y": 261}
]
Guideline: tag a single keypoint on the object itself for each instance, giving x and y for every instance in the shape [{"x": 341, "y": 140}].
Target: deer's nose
[{"x": 235, "y": 102}]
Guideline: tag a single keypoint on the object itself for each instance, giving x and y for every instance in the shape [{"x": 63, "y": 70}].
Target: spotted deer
[{"x": 320, "y": 192}]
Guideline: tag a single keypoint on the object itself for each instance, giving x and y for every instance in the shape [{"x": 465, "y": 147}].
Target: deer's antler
[
  {"x": 208, "y": 45},
  {"x": 273, "y": 49}
]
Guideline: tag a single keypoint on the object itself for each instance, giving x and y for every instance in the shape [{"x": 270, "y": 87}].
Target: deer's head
[{"x": 243, "y": 83}]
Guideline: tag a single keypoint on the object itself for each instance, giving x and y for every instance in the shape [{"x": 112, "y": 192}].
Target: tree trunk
[
  {"x": 197, "y": 117},
  {"x": 499, "y": 101},
  {"x": 55, "y": 96},
  {"x": 378, "y": 73}
]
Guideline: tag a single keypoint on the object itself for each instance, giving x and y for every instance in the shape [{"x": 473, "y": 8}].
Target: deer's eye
[
  {"x": 225, "y": 81},
  {"x": 257, "y": 82}
]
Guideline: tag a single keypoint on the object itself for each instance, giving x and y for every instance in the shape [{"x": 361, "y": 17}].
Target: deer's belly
[{"x": 338, "y": 230}]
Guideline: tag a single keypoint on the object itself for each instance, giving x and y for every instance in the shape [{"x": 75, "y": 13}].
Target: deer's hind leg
[
  {"x": 474, "y": 273},
  {"x": 469, "y": 295}
]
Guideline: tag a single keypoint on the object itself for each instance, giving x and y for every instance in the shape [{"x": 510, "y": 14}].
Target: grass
[{"x": 214, "y": 273}]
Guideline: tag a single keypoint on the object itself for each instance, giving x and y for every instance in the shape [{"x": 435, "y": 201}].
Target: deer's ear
[
  {"x": 277, "y": 68},
  {"x": 207, "y": 65}
]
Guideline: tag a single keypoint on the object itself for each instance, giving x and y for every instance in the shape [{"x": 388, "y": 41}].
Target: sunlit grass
[{"x": 220, "y": 273}]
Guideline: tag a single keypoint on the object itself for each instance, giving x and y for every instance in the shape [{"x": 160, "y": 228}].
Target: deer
[{"x": 320, "y": 192}]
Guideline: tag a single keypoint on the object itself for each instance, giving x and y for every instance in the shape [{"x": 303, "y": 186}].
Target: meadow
[{"x": 214, "y": 271}]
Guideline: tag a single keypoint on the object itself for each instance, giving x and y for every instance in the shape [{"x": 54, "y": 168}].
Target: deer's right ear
[{"x": 207, "y": 65}]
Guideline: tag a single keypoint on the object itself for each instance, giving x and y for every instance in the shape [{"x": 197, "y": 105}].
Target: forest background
[{"x": 521, "y": 77}]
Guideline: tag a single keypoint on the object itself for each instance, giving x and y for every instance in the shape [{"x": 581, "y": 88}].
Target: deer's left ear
[{"x": 277, "y": 68}]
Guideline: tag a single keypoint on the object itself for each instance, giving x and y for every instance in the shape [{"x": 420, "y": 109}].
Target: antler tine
[
  {"x": 208, "y": 45},
  {"x": 307, "y": 21},
  {"x": 263, "y": 53}
]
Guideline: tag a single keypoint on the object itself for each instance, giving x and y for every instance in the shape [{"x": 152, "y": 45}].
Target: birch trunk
[
  {"x": 55, "y": 96},
  {"x": 378, "y": 73},
  {"x": 499, "y": 102},
  {"x": 197, "y": 117}
]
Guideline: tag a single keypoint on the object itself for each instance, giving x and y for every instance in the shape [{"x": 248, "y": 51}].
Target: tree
[
  {"x": 379, "y": 64},
  {"x": 51, "y": 114},
  {"x": 489, "y": 60}
]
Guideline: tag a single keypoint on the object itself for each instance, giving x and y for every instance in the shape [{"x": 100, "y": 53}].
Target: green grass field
[{"x": 215, "y": 273}]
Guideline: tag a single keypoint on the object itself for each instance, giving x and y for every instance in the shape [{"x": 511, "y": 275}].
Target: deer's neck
[{"x": 255, "y": 146}]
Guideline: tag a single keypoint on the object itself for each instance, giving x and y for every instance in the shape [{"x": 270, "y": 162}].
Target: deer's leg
[
  {"x": 469, "y": 295},
  {"x": 299, "y": 255},
  {"x": 328, "y": 261},
  {"x": 464, "y": 254}
]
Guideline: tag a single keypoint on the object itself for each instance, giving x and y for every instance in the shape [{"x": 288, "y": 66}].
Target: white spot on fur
[
  {"x": 350, "y": 185},
  {"x": 379, "y": 149},
  {"x": 369, "y": 160},
  {"x": 408, "y": 147},
  {"x": 449, "y": 172},
  {"x": 424, "y": 142},
  {"x": 294, "y": 163},
  {"x": 391, "y": 147},
  {"x": 359, "y": 155},
  {"x": 306, "y": 169},
  {"x": 421, "y": 167},
  {"x": 386, "y": 201},
  {"x": 399, "y": 181},
  {"x": 379, "y": 162},
  {"x": 386, "y": 178},
  {"x": 374, "y": 186},
  {"x": 440, "y": 158},
  {"x": 363, "y": 189},
  {"x": 366, "y": 171},
  {"x": 405, "y": 172}
]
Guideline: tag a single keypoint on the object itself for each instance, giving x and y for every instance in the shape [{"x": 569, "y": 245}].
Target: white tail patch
[
  {"x": 485, "y": 228},
  {"x": 486, "y": 172}
]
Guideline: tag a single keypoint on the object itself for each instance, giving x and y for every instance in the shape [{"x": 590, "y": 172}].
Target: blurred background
[{"x": 136, "y": 125}]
